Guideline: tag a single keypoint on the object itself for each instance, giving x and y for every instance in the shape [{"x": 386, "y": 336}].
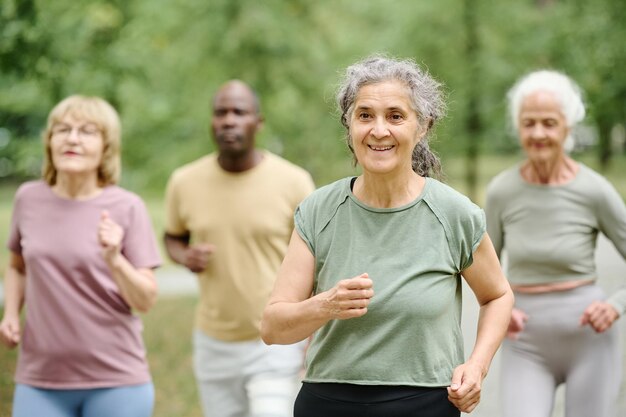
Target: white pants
[{"x": 246, "y": 379}]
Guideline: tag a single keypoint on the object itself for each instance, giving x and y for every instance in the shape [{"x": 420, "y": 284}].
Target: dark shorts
[{"x": 350, "y": 400}]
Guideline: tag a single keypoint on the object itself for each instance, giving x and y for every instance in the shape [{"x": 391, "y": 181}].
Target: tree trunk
[{"x": 473, "y": 122}]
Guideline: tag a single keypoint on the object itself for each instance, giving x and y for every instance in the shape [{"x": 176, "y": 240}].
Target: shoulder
[
  {"x": 596, "y": 186},
  {"x": 288, "y": 168},
  {"x": 503, "y": 181},
  {"x": 453, "y": 209},
  {"x": 321, "y": 205},
  {"x": 192, "y": 169},
  {"x": 589, "y": 177},
  {"x": 462, "y": 220},
  {"x": 446, "y": 198},
  {"x": 115, "y": 192},
  {"x": 335, "y": 192},
  {"x": 31, "y": 189}
]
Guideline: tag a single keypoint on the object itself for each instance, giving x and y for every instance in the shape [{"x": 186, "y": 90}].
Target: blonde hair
[{"x": 93, "y": 110}]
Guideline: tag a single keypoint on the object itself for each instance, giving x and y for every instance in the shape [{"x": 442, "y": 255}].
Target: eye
[
  {"x": 241, "y": 112},
  {"x": 61, "y": 130},
  {"x": 89, "y": 130},
  {"x": 550, "y": 123},
  {"x": 364, "y": 116},
  {"x": 396, "y": 117}
]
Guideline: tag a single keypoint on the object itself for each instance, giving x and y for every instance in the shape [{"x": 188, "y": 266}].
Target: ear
[
  {"x": 260, "y": 123},
  {"x": 423, "y": 126}
]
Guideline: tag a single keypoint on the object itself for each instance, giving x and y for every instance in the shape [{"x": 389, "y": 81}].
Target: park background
[{"x": 159, "y": 62}]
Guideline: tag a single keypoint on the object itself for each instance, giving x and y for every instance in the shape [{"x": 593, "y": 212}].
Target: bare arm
[
  {"x": 495, "y": 298},
  {"x": 194, "y": 257},
  {"x": 137, "y": 285},
  {"x": 292, "y": 314},
  {"x": 14, "y": 285}
]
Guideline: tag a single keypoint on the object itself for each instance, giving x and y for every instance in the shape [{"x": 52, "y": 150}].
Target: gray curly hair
[{"x": 425, "y": 94}]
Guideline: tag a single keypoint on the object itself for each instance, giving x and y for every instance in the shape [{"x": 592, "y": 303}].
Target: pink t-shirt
[{"x": 79, "y": 331}]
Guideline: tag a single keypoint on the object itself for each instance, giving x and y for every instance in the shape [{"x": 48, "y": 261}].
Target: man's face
[{"x": 235, "y": 120}]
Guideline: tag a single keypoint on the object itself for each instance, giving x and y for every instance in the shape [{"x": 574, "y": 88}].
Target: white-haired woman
[
  {"x": 373, "y": 270},
  {"x": 82, "y": 259},
  {"x": 546, "y": 213}
]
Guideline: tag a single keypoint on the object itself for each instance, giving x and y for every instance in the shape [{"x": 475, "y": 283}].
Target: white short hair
[{"x": 567, "y": 93}]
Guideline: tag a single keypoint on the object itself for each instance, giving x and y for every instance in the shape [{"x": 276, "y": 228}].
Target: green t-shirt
[
  {"x": 414, "y": 254},
  {"x": 549, "y": 232}
]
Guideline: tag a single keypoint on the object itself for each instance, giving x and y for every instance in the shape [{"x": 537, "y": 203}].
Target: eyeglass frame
[{"x": 64, "y": 131}]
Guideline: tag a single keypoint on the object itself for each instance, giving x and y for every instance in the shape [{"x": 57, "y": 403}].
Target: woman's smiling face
[
  {"x": 542, "y": 127},
  {"x": 384, "y": 128}
]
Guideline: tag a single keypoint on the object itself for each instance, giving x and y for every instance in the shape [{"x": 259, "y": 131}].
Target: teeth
[{"x": 381, "y": 148}]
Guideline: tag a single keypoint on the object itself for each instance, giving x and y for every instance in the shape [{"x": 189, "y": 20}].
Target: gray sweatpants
[{"x": 554, "y": 349}]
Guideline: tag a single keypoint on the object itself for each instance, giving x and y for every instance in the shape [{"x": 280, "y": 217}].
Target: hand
[
  {"x": 10, "y": 332},
  {"x": 197, "y": 256},
  {"x": 599, "y": 315},
  {"x": 349, "y": 298},
  {"x": 110, "y": 235},
  {"x": 517, "y": 323},
  {"x": 464, "y": 391}
]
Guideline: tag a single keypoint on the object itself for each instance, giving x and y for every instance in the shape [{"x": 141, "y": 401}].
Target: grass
[
  {"x": 167, "y": 334},
  {"x": 168, "y": 326}
]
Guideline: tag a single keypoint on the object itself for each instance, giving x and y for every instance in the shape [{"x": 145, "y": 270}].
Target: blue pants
[{"x": 126, "y": 401}]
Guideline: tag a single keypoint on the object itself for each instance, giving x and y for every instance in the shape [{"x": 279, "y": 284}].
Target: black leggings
[{"x": 350, "y": 400}]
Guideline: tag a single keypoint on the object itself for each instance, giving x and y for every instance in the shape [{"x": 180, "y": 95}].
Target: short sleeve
[
  {"x": 473, "y": 230},
  {"x": 303, "y": 228},
  {"x": 140, "y": 245},
  {"x": 14, "y": 243},
  {"x": 173, "y": 220}
]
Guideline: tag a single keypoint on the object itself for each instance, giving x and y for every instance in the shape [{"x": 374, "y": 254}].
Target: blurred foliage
[{"x": 159, "y": 63}]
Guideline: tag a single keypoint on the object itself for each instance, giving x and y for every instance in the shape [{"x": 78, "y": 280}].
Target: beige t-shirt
[{"x": 248, "y": 216}]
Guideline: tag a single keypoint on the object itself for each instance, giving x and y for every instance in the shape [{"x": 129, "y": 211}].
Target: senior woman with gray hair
[
  {"x": 373, "y": 270},
  {"x": 546, "y": 213}
]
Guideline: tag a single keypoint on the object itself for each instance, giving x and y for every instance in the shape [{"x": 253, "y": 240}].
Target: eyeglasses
[{"x": 87, "y": 131}]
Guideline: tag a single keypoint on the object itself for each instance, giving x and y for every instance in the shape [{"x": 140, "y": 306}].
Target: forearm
[
  {"x": 493, "y": 322},
  {"x": 290, "y": 322},
  {"x": 176, "y": 247},
  {"x": 137, "y": 286}
]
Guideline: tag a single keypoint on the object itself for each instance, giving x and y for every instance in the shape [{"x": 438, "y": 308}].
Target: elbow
[
  {"x": 148, "y": 301},
  {"x": 266, "y": 332}
]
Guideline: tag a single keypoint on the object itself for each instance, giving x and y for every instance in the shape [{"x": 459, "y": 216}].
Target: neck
[
  {"x": 76, "y": 187},
  {"x": 560, "y": 171},
  {"x": 381, "y": 192},
  {"x": 240, "y": 163}
]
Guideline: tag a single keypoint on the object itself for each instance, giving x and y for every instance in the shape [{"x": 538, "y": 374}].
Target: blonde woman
[{"x": 82, "y": 258}]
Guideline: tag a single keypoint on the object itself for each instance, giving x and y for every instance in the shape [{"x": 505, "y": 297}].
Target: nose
[
  {"x": 379, "y": 129},
  {"x": 229, "y": 119},
  {"x": 73, "y": 136},
  {"x": 537, "y": 131}
]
